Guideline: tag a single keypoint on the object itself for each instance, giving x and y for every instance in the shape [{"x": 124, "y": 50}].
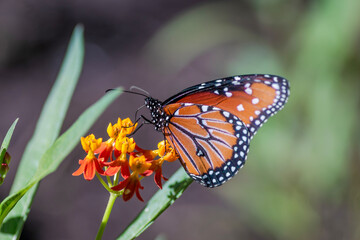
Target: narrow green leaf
[
  {"x": 54, "y": 110},
  {"x": 46, "y": 132},
  {"x": 171, "y": 191},
  {"x": 54, "y": 156},
  {"x": 6, "y": 141}
]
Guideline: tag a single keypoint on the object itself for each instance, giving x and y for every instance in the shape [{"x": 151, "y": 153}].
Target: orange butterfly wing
[
  {"x": 211, "y": 124},
  {"x": 212, "y": 143},
  {"x": 252, "y": 98}
]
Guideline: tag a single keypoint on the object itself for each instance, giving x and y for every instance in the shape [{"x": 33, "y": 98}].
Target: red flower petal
[
  {"x": 111, "y": 171},
  {"x": 147, "y": 173},
  {"x": 125, "y": 172},
  {"x": 97, "y": 165},
  {"x": 80, "y": 169},
  {"x": 104, "y": 151},
  {"x": 117, "y": 153},
  {"x": 130, "y": 189},
  {"x": 138, "y": 192},
  {"x": 89, "y": 171},
  {"x": 158, "y": 176},
  {"x": 121, "y": 185}
]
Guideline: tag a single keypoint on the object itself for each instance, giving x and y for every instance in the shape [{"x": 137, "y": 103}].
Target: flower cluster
[{"x": 120, "y": 155}]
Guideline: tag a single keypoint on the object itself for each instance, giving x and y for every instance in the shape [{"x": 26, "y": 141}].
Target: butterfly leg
[
  {"x": 137, "y": 110},
  {"x": 141, "y": 124}
]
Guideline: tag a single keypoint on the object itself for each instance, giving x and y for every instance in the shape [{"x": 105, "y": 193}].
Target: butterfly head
[{"x": 158, "y": 116}]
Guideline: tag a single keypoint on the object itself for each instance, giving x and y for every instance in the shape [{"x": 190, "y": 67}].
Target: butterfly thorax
[{"x": 158, "y": 116}]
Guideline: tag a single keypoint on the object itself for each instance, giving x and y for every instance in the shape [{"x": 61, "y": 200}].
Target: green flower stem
[
  {"x": 106, "y": 215},
  {"x": 109, "y": 181},
  {"x": 163, "y": 199},
  {"x": 103, "y": 183},
  {"x": 116, "y": 179}
]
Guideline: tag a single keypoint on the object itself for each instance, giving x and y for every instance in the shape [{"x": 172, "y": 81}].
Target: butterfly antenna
[
  {"x": 112, "y": 89},
  {"x": 132, "y": 88},
  {"x": 136, "y": 93}
]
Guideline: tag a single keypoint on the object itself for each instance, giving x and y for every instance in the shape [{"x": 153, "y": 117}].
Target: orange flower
[
  {"x": 127, "y": 127},
  {"x": 118, "y": 164},
  {"x": 117, "y": 133},
  {"x": 90, "y": 163},
  {"x": 120, "y": 154},
  {"x": 114, "y": 130},
  {"x": 131, "y": 184},
  {"x": 105, "y": 150},
  {"x": 156, "y": 166},
  {"x": 107, "y": 147},
  {"x": 166, "y": 153},
  {"x": 122, "y": 147}
]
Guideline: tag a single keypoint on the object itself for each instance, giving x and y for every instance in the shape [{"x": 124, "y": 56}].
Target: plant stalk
[{"x": 106, "y": 216}]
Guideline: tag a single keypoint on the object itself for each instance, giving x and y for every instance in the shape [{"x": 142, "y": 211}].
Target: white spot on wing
[
  {"x": 248, "y": 91},
  {"x": 204, "y": 108},
  {"x": 255, "y": 101},
  {"x": 275, "y": 86},
  {"x": 240, "y": 107}
]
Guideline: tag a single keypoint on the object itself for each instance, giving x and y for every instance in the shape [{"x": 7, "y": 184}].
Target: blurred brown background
[{"x": 301, "y": 180}]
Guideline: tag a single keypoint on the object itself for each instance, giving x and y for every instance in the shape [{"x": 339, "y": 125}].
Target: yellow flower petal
[
  {"x": 132, "y": 145},
  {"x": 90, "y": 143},
  {"x": 139, "y": 164},
  {"x": 110, "y": 130},
  {"x": 84, "y": 144},
  {"x": 119, "y": 123},
  {"x": 171, "y": 156},
  {"x": 124, "y": 147}
]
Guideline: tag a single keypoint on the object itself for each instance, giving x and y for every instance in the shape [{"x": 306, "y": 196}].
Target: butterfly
[{"x": 210, "y": 125}]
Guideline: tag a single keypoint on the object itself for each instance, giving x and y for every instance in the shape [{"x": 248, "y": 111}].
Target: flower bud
[
  {"x": 7, "y": 158},
  {"x": 4, "y": 168}
]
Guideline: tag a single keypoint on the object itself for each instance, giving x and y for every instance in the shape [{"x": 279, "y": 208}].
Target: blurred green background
[{"x": 302, "y": 177}]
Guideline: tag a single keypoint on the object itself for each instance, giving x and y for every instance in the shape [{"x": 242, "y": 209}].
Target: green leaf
[
  {"x": 47, "y": 130},
  {"x": 57, "y": 153},
  {"x": 6, "y": 141},
  {"x": 171, "y": 191}
]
